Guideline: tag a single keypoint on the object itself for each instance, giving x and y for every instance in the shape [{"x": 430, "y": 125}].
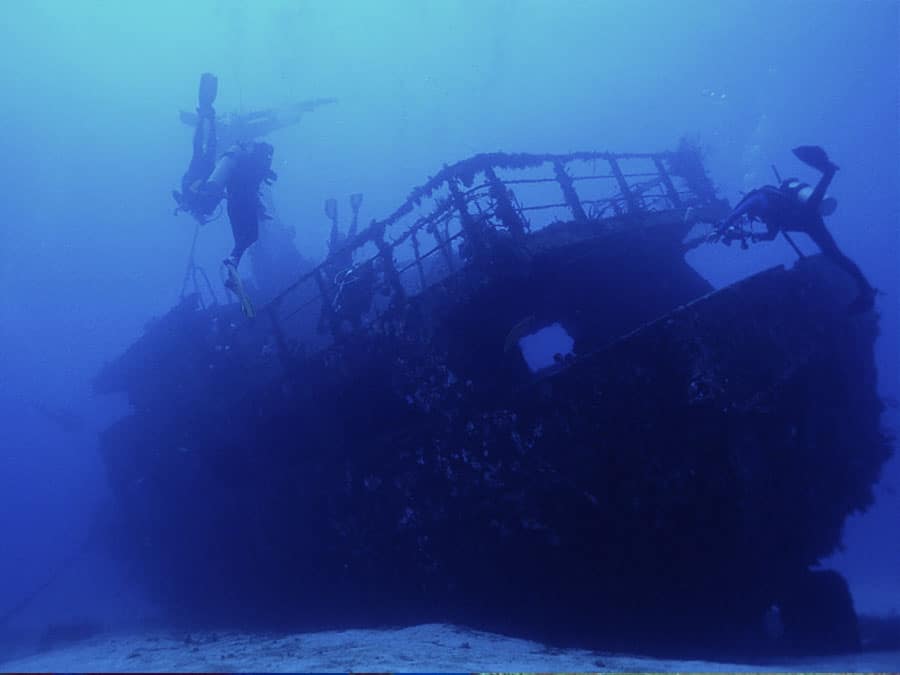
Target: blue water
[{"x": 92, "y": 146}]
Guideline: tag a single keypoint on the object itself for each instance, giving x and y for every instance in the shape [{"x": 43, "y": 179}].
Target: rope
[
  {"x": 793, "y": 245},
  {"x": 342, "y": 279},
  {"x": 192, "y": 270},
  {"x": 190, "y": 266},
  {"x": 52, "y": 578}
]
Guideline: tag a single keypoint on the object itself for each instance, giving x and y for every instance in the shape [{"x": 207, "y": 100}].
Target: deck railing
[{"x": 453, "y": 218}]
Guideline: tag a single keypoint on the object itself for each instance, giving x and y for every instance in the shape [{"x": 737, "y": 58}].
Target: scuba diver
[
  {"x": 236, "y": 177},
  {"x": 797, "y": 207},
  {"x": 203, "y": 157}
]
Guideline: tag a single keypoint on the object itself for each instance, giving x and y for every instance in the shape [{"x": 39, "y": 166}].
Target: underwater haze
[{"x": 92, "y": 148}]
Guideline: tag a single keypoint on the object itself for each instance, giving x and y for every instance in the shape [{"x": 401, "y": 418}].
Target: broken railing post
[
  {"x": 443, "y": 244},
  {"x": 415, "y": 244},
  {"x": 623, "y": 185},
  {"x": 569, "y": 194},
  {"x": 505, "y": 209},
  {"x": 671, "y": 192},
  {"x": 472, "y": 228},
  {"x": 390, "y": 271},
  {"x": 284, "y": 354},
  {"x": 327, "y": 307}
]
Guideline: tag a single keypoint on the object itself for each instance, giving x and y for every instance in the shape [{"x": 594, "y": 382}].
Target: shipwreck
[{"x": 374, "y": 444}]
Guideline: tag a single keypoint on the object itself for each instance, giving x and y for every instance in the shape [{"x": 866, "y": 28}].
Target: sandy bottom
[{"x": 431, "y": 648}]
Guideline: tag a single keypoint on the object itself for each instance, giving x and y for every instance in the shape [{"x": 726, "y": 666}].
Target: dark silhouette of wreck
[{"x": 369, "y": 449}]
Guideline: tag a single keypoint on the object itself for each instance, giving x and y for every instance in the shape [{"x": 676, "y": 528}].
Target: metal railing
[{"x": 458, "y": 214}]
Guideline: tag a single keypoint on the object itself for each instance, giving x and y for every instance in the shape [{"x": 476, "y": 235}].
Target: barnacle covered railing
[{"x": 457, "y": 216}]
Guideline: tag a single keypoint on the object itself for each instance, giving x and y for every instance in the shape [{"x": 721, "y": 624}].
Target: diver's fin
[
  {"x": 815, "y": 156},
  {"x": 234, "y": 284}
]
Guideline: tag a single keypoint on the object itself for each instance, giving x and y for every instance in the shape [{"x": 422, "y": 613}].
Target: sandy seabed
[{"x": 431, "y": 648}]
